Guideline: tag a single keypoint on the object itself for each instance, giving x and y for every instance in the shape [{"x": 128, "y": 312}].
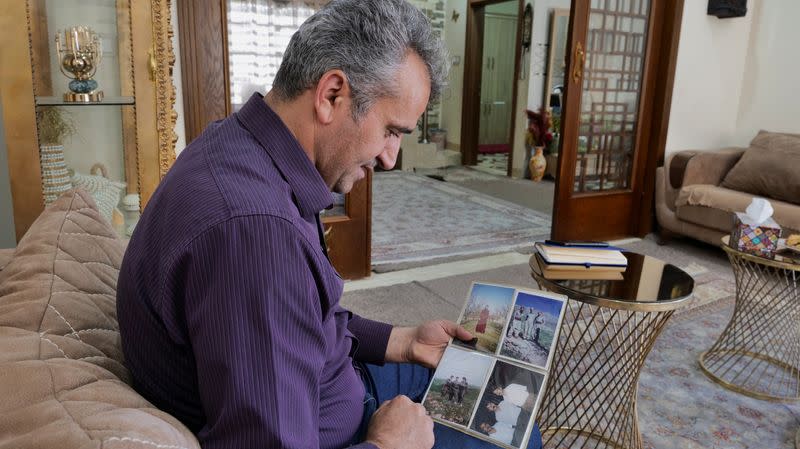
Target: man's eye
[{"x": 393, "y": 133}]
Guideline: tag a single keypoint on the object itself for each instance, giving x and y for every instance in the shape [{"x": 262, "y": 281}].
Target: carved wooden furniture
[{"x": 130, "y": 132}]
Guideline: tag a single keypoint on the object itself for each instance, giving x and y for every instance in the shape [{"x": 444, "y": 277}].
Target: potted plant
[
  {"x": 538, "y": 137},
  {"x": 54, "y": 126}
]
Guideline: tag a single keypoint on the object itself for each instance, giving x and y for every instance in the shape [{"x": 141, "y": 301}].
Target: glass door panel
[{"x": 612, "y": 81}]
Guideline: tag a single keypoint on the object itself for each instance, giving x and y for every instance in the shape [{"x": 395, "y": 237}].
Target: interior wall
[
  {"x": 709, "y": 76},
  {"x": 770, "y": 99},
  {"x": 7, "y": 230},
  {"x": 455, "y": 35}
]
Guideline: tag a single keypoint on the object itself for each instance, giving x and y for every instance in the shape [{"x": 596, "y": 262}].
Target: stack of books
[{"x": 565, "y": 260}]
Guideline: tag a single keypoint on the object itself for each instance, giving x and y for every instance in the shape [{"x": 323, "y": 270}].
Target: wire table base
[
  {"x": 758, "y": 353},
  {"x": 590, "y": 399}
]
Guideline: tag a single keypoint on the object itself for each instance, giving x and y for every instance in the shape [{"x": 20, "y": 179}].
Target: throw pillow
[
  {"x": 106, "y": 193},
  {"x": 62, "y": 379},
  {"x": 59, "y": 288},
  {"x": 769, "y": 168}
]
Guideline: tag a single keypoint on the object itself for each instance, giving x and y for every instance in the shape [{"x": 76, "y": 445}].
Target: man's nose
[{"x": 388, "y": 157}]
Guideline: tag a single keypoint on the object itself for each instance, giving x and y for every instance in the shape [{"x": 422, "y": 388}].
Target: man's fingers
[{"x": 457, "y": 331}]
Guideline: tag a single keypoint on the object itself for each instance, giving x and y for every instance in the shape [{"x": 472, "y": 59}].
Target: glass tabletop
[{"x": 647, "y": 284}]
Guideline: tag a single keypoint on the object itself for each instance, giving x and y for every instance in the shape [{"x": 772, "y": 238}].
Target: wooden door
[
  {"x": 618, "y": 89},
  {"x": 203, "y": 28},
  {"x": 497, "y": 78}
]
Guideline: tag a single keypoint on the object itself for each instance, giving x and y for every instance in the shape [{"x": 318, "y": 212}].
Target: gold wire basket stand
[{"x": 758, "y": 353}]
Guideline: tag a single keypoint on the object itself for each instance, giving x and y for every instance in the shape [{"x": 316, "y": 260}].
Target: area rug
[
  {"x": 679, "y": 407},
  {"x": 415, "y": 218}
]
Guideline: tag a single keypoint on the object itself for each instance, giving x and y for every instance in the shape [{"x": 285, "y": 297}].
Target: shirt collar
[{"x": 309, "y": 188}]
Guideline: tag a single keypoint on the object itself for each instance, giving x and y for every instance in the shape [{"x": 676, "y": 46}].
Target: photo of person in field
[
  {"x": 529, "y": 335},
  {"x": 456, "y": 385},
  {"x": 485, "y": 315},
  {"x": 507, "y": 405}
]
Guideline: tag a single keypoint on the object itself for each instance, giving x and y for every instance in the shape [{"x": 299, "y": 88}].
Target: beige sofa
[
  {"x": 63, "y": 380},
  {"x": 697, "y": 192}
]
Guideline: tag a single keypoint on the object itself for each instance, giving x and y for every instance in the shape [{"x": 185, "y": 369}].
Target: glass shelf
[{"x": 107, "y": 101}]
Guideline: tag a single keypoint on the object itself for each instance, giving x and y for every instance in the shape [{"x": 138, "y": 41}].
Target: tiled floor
[{"x": 496, "y": 164}]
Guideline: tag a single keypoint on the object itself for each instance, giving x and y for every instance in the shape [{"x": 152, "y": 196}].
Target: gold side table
[
  {"x": 609, "y": 328},
  {"x": 758, "y": 353}
]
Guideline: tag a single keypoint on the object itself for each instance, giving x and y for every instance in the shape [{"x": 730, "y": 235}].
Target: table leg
[{"x": 590, "y": 398}]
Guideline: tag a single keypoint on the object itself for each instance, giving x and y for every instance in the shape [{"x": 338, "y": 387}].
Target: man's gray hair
[{"x": 367, "y": 40}]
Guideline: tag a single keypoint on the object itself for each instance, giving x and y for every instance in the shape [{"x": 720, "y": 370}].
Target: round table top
[{"x": 648, "y": 284}]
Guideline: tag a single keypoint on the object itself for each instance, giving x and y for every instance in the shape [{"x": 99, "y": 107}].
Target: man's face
[
  {"x": 351, "y": 148},
  {"x": 492, "y": 407}
]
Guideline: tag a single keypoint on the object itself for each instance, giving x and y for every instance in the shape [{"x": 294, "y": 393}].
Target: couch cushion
[
  {"x": 719, "y": 203},
  {"x": 769, "y": 168},
  {"x": 62, "y": 377}
]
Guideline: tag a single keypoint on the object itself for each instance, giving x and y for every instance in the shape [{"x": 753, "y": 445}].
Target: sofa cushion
[
  {"x": 720, "y": 202},
  {"x": 769, "y": 168},
  {"x": 62, "y": 377}
]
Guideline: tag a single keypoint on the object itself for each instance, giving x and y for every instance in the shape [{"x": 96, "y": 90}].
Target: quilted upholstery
[{"x": 62, "y": 375}]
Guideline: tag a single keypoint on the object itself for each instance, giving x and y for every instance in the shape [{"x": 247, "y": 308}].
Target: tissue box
[{"x": 761, "y": 240}]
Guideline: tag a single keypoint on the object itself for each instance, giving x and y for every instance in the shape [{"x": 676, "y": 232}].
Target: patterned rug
[
  {"x": 679, "y": 407},
  {"x": 415, "y": 218}
]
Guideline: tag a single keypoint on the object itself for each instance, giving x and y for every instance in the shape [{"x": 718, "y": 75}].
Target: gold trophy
[{"x": 80, "y": 54}]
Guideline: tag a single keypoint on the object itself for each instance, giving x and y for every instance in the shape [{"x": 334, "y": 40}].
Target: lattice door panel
[{"x": 612, "y": 79}]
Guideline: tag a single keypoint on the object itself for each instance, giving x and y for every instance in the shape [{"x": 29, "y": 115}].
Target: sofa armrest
[{"x": 691, "y": 167}]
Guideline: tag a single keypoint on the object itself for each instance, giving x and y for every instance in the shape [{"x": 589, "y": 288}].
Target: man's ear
[{"x": 330, "y": 95}]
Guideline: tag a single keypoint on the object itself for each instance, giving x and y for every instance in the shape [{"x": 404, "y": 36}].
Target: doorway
[
  {"x": 497, "y": 87},
  {"x": 492, "y": 62}
]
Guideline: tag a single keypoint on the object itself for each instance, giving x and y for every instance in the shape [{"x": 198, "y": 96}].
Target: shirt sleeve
[
  {"x": 255, "y": 322},
  {"x": 373, "y": 338}
]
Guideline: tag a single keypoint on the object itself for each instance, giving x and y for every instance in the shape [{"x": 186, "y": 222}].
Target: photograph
[
  {"x": 508, "y": 403},
  {"x": 485, "y": 316},
  {"x": 456, "y": 385},
  {"x": 530, "y": 334}
]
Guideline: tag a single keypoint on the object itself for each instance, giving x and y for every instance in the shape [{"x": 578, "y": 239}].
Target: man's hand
[
  {"x": 400, "y": 423},
  {"x": 423, "y": 344}
]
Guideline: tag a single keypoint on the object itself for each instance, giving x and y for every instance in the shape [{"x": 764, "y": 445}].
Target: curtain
[{"x": 258, "y": 33}]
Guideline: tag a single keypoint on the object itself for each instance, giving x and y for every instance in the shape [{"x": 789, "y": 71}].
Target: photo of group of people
[
  {"x": 491, "y": 386},
  {"x": 456, "y": 385},
  {"x": 533, "y": 324}
]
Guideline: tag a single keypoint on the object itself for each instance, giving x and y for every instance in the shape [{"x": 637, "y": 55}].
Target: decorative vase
[
  {"x": 538, "y": 164},
  {"x": 55, "y": 177}
]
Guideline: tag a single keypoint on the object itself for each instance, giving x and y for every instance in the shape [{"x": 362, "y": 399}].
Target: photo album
[{"x": 490, "y": 387}]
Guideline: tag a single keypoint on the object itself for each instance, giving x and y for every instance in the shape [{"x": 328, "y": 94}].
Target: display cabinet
[{"x": 91, "y": 108}]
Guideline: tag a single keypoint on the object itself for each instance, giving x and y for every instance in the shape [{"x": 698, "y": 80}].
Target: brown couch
[
  {"x": 697, "y": 192},
  {"x": 63, "y": 380}
]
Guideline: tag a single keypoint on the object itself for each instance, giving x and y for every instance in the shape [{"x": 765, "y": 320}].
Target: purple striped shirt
[{"x": 228, "y": 306}]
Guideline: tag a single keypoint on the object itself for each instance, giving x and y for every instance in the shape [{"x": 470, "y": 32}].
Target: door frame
[
  {"x": 471, "y": 103},
  {"x": 206, "y": 86},
  {"x": 655, "y": 105}
]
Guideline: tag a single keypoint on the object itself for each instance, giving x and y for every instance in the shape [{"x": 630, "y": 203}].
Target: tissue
[
  {"x": 755, "y": 231},
  {"x": 759, "y": 211}
]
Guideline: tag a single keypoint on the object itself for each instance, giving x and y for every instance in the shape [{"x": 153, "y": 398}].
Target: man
[
  {"x": 449, "y": 388},
  {"x": 228, "y": 306},
  {"x": 462, "y": 388},
  {"x": 538, "y": 322}
]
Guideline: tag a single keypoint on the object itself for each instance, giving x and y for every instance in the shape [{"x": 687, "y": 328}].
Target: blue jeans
[{"x": 392, "y": 379}]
